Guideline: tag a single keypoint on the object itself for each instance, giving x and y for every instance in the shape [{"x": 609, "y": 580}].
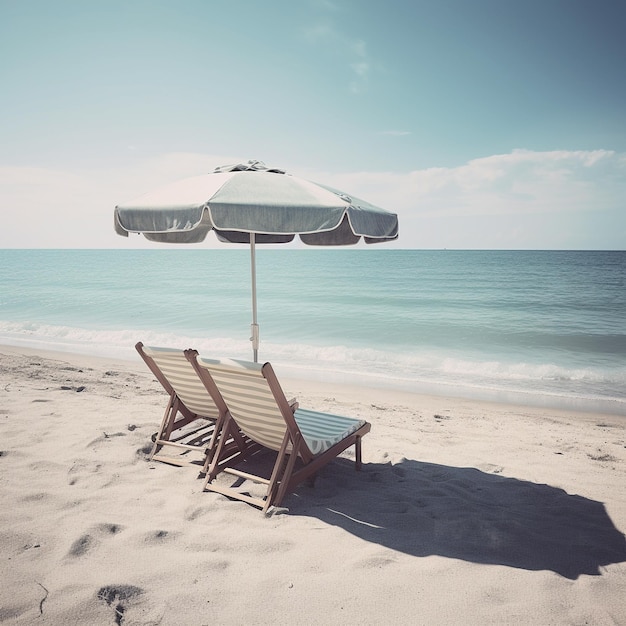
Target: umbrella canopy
[{"x": 251, "y": 203}]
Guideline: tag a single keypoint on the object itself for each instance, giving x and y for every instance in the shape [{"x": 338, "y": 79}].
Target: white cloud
[
  {"x": 352, "y": 51},
  {"x": 522, "y": 199},
  {"x": 360, "y": 67},
  {"x": 521, "y": 181},
  {"x": 29, "y": 177},
  {"x": 51, "y": 208}
]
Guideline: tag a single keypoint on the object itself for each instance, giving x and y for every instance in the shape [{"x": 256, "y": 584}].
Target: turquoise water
[{"x": 543, "y": 327}]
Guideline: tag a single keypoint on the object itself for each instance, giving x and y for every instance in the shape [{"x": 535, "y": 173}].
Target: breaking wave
[{"x": 593, "y": 387}]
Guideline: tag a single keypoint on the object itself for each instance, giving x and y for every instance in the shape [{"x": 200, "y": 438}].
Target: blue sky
[{"x": 483, "y": 124}]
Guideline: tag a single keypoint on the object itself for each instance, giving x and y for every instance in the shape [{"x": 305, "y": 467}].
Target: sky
[{"x": 491, "y": 124}]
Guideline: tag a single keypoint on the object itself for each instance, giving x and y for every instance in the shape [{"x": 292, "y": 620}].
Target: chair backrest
[
  {"x": 179, "y": 373},
  {"x": 250, "y": 399}
]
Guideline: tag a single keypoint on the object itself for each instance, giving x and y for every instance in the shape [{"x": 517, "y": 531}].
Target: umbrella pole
[{"x": 254, "y": 328}]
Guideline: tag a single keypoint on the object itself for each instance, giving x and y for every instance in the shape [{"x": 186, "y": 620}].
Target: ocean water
[{"x": 539, "y": 327}]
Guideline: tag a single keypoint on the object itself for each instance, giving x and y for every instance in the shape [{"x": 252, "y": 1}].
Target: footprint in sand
[
  {"x": 89, "y": 540},
  {"x": 157, "y": 537},
  {"x": 144, "y": 452},
  {"x": 374, "y": 562},
  {"x": 195, "y": 512},
  {"x": 82, "y": 545},
  {"x": 88, "y": 475},
  {"x": 119, "y": 597}
]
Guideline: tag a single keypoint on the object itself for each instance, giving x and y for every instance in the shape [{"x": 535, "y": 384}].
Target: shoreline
[
  {"x": 430, "y": 391},
  {"x": 522, "y": 508}
]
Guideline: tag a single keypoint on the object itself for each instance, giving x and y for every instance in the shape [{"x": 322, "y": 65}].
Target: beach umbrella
[{"x": 255, "y": 204}]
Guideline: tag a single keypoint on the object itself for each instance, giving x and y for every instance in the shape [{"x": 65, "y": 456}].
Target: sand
[{"x": 465, "y": 513}]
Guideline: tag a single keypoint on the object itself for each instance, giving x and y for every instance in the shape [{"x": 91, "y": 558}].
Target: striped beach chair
[
  {"x": 305, "y": 440},
  {"x": 188, "y": 427}
]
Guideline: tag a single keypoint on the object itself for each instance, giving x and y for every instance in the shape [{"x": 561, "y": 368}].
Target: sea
[{"x": 544, "y": 328}]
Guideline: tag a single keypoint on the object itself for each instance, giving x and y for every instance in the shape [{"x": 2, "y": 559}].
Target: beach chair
[
  {"x": 188, "y": 427},
  {"x": 257, "y": 407}
]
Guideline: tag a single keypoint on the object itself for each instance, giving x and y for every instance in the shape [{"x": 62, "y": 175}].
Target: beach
[{"x": 465, "y": 512}]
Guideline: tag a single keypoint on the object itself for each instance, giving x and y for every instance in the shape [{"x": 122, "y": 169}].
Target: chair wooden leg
[
  {"x": 286, "y": 478},
  {"x": 277, "y": 474},
  {"x": 357, "y": 453},
  {"x": 215, "y": 453},
  {"x": 212, "y": 445},
  {"x": 168, "y": 417},
  {"x": 169, "y": 427}
]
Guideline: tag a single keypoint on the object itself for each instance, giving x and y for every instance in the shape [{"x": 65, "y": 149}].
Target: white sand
[{"x": 465, "y": 513}]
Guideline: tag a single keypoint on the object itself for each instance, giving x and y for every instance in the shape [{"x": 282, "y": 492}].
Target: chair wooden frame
[{"x": 295, "y": 462}]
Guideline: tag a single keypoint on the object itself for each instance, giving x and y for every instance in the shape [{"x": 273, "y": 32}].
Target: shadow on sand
[{"x": 426, "y": 509}]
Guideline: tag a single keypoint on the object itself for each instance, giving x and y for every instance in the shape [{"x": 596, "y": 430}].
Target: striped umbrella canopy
[{"x": 252, "y": 203}]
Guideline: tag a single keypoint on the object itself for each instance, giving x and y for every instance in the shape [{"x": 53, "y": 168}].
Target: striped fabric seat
[
  {"x": 321, "y": 431},
  {"x": 249, "y": 400},
  {"x": 184, "y": 380},
  {"x": 257, "y": 407}
]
